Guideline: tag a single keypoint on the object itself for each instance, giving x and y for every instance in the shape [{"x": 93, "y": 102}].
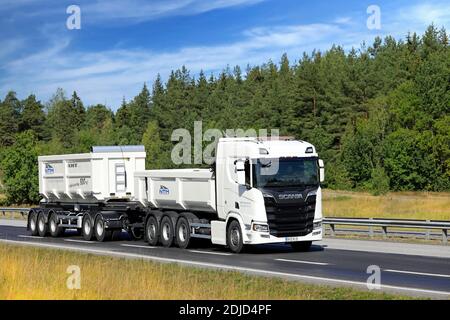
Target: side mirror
[
  {"x": 240, "y": 172},
  {"x": 321, "y": 170}
]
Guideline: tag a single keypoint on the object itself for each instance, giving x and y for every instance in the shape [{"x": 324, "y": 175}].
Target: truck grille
[{"x": 290, "y": 220}]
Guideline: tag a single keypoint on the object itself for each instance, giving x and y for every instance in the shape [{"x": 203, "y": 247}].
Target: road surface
[{"x": 408, "y": 269}]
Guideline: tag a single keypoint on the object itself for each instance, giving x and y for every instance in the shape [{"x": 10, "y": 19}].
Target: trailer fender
[{"x": 237, "y": 216}]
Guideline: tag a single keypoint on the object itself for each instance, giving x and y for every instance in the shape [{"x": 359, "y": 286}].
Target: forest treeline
[{"x": 379, "y": 115}]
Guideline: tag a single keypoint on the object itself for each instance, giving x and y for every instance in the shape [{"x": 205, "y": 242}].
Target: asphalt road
[{"x": 408, "y": 269}]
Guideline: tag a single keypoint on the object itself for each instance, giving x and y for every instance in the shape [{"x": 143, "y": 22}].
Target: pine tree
[
  {"x": 9, "y": 119},
  {"x": 33, "y": 116}
]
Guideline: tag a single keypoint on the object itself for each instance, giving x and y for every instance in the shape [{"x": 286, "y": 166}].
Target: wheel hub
[{"x": 235, "y": 237}]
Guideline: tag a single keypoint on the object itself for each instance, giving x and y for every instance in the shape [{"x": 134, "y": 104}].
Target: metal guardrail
[
  {"x": 371, "y": 223},
  {"x": 22, "y": 211},
  {"x": 384, "y": 224}
]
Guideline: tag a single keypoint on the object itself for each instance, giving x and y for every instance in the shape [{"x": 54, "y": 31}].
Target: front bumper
[{"x": 255, "y": 237}]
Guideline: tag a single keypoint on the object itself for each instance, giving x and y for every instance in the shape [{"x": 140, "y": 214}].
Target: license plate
[{"x": 291, "y": 239}]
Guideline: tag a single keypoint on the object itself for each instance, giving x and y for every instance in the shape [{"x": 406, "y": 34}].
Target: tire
[
  {"x": 166, "y": 232},
  {"x": 183, "y": 233},
  {"x": 55, "y": 230},
  {"x": 87, "y": 229},
  {"x": 101, "y": 234},
  {"x": 152, "y": 231},
  {"x": 41, "y": 225},
  {"x": 33, "y": 223},
  {"x": 302, "y": 246},
  {"x": 234, "y": 237}
]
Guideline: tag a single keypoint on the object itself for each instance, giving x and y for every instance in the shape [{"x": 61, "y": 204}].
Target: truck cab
[{"x": 267, "y": 192}]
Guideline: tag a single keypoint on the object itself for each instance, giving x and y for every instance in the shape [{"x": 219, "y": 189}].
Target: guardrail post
[
  {"x": 371, "y": 229},
  {"x": 428, "y": 233},
  {"x": 444, "y": 236},
  {"x": 332, "y": 229},
  {"x": 384, "y": 228}
]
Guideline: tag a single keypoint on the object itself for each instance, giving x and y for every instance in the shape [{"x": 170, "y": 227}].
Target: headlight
[
  {"x": 318, "y": 225},
  {"x": 260, "y": 227}
]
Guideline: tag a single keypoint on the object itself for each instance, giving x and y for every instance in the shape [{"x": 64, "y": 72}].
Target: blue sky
[{"x": 122, "y": 44}]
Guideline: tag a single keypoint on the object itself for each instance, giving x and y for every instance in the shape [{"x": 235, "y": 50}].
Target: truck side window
[{"x": 247, "y": 172}]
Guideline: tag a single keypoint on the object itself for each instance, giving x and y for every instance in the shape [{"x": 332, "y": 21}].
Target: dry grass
[
  {"x": 36, "y": 273},
  {"x": 401, "y": 205}
]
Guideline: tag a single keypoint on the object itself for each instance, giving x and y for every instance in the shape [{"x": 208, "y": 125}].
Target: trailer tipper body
[{"x": 257, "y": 192}]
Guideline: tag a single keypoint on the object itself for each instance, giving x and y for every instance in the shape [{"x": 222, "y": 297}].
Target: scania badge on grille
[{"x": 290, "y": 196}]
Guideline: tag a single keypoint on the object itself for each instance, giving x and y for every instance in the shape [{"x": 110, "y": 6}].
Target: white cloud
[
  {"x": 426, "y": 13},
  {"x": 141, "y": 10},
  {"x": 106, "y": 76}
]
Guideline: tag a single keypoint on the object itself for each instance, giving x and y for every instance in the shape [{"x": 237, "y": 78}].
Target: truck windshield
[{"x": 285, "y": 172}]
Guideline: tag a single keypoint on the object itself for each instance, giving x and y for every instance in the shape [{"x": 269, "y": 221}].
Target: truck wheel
[
  {"x": 152, "y": 231},
  {"x": 166, "y": 231},
  {"x": 33, "y": 223},
  {"x": 183, "y": 233},
  {"x": 86, "y": 228},
  {"x": 41, "y": 225},
  {"x": 301, "y": 246},
  {"x": 101, "y": 234},
  {"x": 55, "y": 230},
  {"x": 234, "y": 237}
]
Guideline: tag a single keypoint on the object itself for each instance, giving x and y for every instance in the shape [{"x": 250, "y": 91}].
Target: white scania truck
[{"x": 257, "y": 192}]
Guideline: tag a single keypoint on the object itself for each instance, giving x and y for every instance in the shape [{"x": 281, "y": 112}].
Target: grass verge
[
  {"x": 36, "y": 273},
  {"x": 399, "y": 205}
]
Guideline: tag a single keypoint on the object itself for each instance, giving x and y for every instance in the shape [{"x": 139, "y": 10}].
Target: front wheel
[
  {"x": 234, "y": 237},
  {"x": 301, "y": 246}
]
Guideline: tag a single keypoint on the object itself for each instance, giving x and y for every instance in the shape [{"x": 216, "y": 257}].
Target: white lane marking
[
  {"x": 419, "y": 273},
  {"x": 137, "y": 246},
  {"x": 223, "y": 266},
  {"x": 305, "y": 262},
  {"x": 80, "y": 241},
  {"x": 31, "y": 237},
  {"x": 211, "y": 252}
]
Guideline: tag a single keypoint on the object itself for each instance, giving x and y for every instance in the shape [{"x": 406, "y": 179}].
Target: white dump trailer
[
  {"x": 95, "y": 176},
  {"x": 257, "y": 192}
]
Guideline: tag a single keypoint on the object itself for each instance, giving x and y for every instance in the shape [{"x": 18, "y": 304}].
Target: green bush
[{"x": 20, "y": 170}]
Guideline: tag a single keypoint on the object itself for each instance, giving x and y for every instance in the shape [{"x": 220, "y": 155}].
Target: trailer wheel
[
  {"x": 33, "y": 223},
  {"x": 87, "y": 229},
  {"x": 234, "y": 237},
  {"x": 183, "y": 233},
  {"x": 301, "y": 246},
  {"x": 55, "y": 230},
  {"x": 166, "y": 231},
  {"x": 41, "y": 225},
  {"x": 101, "y": 234},
  {"x": 152, "y": 231}
]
